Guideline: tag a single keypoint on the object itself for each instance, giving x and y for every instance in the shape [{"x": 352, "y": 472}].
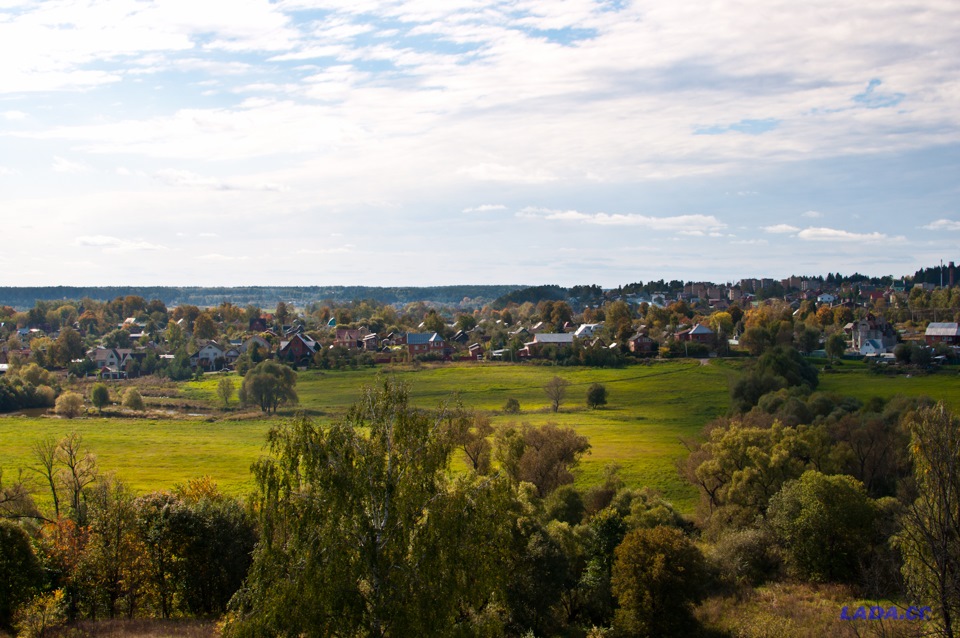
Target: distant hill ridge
[{"x": 25, "y": 297}]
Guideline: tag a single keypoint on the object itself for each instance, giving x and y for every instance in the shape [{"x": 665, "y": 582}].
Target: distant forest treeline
[
  {"x": 499, "y": 296},
  {"x": 264, "y": 296}
]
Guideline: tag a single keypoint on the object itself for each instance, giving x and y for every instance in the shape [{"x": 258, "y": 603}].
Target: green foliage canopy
[
  {"x": 268, "y": 385},
  {"x": 369, "y": 534},
  {"x": 20, "y": 573},
  {"x": 826, "y": 523},
  {"x": 657, "y": 575}
]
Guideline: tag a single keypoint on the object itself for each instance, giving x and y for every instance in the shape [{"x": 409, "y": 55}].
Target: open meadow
[{"x": 651, "y": 409}]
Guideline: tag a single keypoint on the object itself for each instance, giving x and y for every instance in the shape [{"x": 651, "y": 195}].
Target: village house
[
  {"x": 371, "y": 343},
  {"x": 210, "y": 356},
  {"x": 108, "y": 357},
  {"x": 558, "y": 339},
  {"x": 112, "y": 363},
  {"x": 585, "y": 331},
  {"x": 255, "y": 341},
  {"x": 299, "y": 349},
  {"x": 421, "y": 343},
  {"x": 948, "y": 333},
  {"x": 350, "y": 338},
  {"x": 871, "y": 335},
  {"x": 640, "y": 343},
  {"x": 699, "y": 333}
]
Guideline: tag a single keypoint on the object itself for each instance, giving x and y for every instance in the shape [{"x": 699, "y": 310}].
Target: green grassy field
[
  {"x": 855, "y": 379},
  {"x": 650, "y": 409}
]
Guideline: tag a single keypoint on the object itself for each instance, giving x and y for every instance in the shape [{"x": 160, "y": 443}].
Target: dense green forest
[{"x": 263, "y": 296}]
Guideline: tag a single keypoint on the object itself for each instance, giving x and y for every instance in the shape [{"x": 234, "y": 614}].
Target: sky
[{"x": 442, "y": 142}]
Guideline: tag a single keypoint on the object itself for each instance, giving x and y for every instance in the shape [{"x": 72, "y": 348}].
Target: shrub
[
  {"x": 596, "y": 396},
  {"x": 34, "y": 374},
  {"x": 657, "y": 575},
  {"x": 45, "y": 396},
  {"x": 746, "y": 557},
  {"x": 69, "y": 404},
  {"x": 132, "y": 400},
  {"x": 40, "y": 614},
  {"x": 512, "y": 406}
]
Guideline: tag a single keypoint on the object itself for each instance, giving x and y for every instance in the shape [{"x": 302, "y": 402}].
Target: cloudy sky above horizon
[{"x": 430, "y": 142}]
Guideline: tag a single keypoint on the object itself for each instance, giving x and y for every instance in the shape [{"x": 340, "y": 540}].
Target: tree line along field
[{"x": 651, "y": 410}]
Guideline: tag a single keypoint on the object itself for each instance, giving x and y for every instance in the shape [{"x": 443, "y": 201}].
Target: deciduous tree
[
  {"x": 596, "y": 395},
  {"x": 369, "y": 534},
  {"x": 835, "y": 345},
  {"x": 825, "y": 524},
  {"x": 556, "y": 391},
  {"x": 544, "y": 456},
  {"x": 930, "y": 540},
  {"x": 69, "y": 346},
  {"x": 657, "y": 576},
  {"x": 471, "y": 432},
  {"x": 204, "y": 327},
  {"x": 269, "y": 385},
  {"x": 99, "y": 396},
  {"x": 225, "y": 390},
  {"x": 20, "y": 573}
]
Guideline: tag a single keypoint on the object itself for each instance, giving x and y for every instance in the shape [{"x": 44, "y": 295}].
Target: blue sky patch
[
  {"x": 613, "y": 5},
  {"x": 750, "y": 127},
  {"x": 566, "y": 36},
  {"x": 873, "y": 99}
]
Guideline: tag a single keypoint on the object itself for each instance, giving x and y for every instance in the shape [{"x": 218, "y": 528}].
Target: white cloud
[
  {"x": 14, "y": 115},
  {"x": 503, "y": 173},
  {"x": 485, "y": 208},
  {"x": 116, "y": 244},
  {"x": 943, "y": 224},
  {"x": 62, "y": 165},
  {"x": 750, "y": 242},
  {"x": 346, "y": 248},
  {"x": 687, "y": 223},
  {"x": 218, "y": 257},
  {"x": 832, "y": 234},
  {"x": 812, "y": 214},
  {"x": 781, "y": 228},
  {"x": 173, "y": 177},
  {"x": 4, "y": 171}
]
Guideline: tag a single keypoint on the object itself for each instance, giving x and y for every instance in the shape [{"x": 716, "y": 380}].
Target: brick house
[
  {"x": 640, "y": 343},
  {"x": 299, "y": 349},
  {"x": 350, "y": 338},
  {"x": 699, "y": 333},
  {"x": 421, "y": 343}
]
